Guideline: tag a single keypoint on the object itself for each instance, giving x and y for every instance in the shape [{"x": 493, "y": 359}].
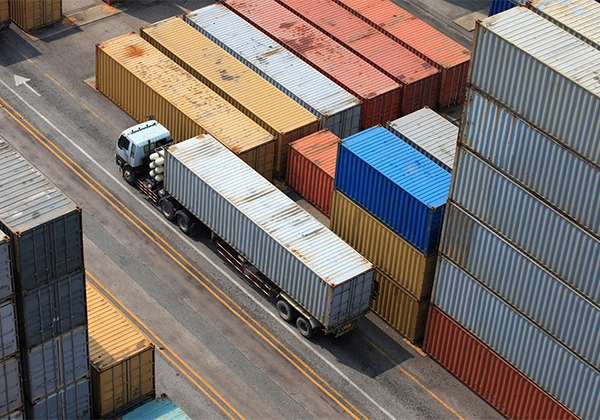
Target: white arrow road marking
[{"x": 23, "y": 81}]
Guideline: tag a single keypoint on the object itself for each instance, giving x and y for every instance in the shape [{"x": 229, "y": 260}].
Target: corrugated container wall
[
  {"x": 70, "y": 402},
  {"x": 4, "y": 14},
  {"x": 526, "y": 221},
  {"x": 311, "y": 168},
  {"x": 338, "y": 110},
  {"x": 239, "y": 85},
  {"x": 419, "y": 79},
  {"x": 451, "y": 58},
  {"x": 39, "y": 217},
  {"x": 573, "y": 382},
  {"x": 382, "y": 246},
  {"x": 9, "y": 344},
  {"x": 34, "y": 14},
  {"x": 160, "y": 408},
  {"x": 11, "y": 391},
  {"x": 6, "y": 278},
  {"x": 121, "y": 359},
  {"x": 429, "y": 133},
  {"x": 142, "y": 81},
  {"x": 486, "y": 373},
  {"x": 308, "y": 261},
  {"x": 380, "y": 95},
  {"x": 545, "y": 166},
  {"x": 395, "y": 183},
  {"x": 498, "y": 6},
  {"x": 505, "y": 45}
]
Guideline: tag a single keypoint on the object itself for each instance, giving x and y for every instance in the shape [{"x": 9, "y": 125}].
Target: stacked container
[
  {"x": 388, "y": 204},
  {"x": 519, "y": 267},
  {"x": 338, "y": 110},
  {"x": 46, "y": 240},
  {"x": 239, "y": 85},
  {"x": 35, "y": 14},
  {"x": 419, "y": 79},
  {"x": 380, "y": 95}
]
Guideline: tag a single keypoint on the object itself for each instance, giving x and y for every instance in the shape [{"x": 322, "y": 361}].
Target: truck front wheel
[
  {"x": 304, "y": 327},
  {"x": 285, "y": 310},
  {"x": 128, "y": 174}
]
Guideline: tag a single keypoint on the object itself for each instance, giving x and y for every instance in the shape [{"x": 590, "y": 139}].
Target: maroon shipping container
[
  {"x": 380, "y": 95},
  {"x": 486, "y": 373},
  {"x": 451, "y": 58},
  {"x": 311, "y": 167},
  {"x": 419, "y": 79}
]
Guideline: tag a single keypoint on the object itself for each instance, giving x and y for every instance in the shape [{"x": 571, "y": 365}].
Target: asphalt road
[{"x": 222, "y": 351}]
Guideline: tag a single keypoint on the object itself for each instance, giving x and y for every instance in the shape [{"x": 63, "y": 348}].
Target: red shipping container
[
  {"x": 311, "y": 168},
  {"x": 451, "y": 58},
  {"x": 419, "y": 79},
  {"x": 486, "y": 373},
  {"x": 379, "y": 94}
]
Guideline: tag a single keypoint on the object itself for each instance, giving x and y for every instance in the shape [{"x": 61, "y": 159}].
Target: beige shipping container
[
  {"x": 144, "y": 82},
  {"x": 34, "y": 14},
  {"x": 399, "y": 308},
  {"x": 239, "y": 85},
  {"x": 121, "y": 359},
  {"x": 382, "y": 246},
  {"x": 4, "y": 15}
]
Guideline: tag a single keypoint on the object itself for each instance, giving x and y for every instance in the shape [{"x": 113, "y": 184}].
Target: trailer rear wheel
[
  {"x": 168, "y": 209},
  {"x": 304, "y": 327},
  {"x": 184, "y": 222},
  {"x": 285, "y": 310}
]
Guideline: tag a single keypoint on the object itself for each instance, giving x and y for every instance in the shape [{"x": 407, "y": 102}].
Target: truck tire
[
  {"x": 184, "y": 222},
  {"x": 304, "y": 327},
  {"x": 167, "y": 208},
  {"x": 128, "y": 175},
  {"x": 285, "y": 310}
]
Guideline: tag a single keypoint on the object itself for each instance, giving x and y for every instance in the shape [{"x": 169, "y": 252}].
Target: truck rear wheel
[
  {"x": 304, "y": 327},
  {"x": 285, "y": 310},
  {"x": 168, "y": 209},
  {"x": 184, "y": 222},
  {"x": 128, "y": 175}
]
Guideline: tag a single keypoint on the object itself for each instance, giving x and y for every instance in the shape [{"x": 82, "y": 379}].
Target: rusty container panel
[
  {"x": 419, "y": 79},
  {"x": 382, "y": 246},
  {"x": 311, "y": 168},
  {"x": 395, "y": 305},
  {"x": 235, "y": 82},
  {"x": 451, "y": 58},
  {"x": 6, "y": 277},
  {"x": 34, "y": 14},
  {"x": 143, "y": 81},
  {"x": 486, "y": 373},
  {"x": 4, "y": 14},
  {"x": 381, "y": 96}
]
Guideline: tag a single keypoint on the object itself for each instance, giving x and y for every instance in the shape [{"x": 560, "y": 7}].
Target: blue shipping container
[
  {"x": 161, "y": 408},
  {"x": 498, "y": 6},
  {"x": 395, "y": 183}
]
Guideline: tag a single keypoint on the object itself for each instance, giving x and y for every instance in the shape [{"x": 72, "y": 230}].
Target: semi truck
[{"x": 315, "y": 279}]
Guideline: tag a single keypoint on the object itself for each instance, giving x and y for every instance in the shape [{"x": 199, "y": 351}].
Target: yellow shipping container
[
  {"x": 239, "y": 85},
  {"x": 382, "y": 246},
  {"x": 144, "y": 82},
  {"x": 399, "y": 308},
  {"x": 34, "y": 14},
  {"x": 4, "y": 15},
  {"x": 121, "y": 359}
]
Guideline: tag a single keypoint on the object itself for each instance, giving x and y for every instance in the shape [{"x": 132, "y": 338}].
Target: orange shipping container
[
  {"x": 311, "y": 168},
  {"x": 451, "y": 58},
  {"x": 34, "y": 14}
]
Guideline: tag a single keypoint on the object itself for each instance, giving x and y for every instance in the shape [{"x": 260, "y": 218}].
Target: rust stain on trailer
[{"x": 134, "y": 51}]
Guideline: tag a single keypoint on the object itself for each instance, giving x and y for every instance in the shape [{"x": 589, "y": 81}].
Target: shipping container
[
  {"x": 44, "y": 225},
  {"x": 543, "y": 165},
  {"x": 498, "y": 6},
  {"x": 380, "y": 95},
  {"x": 429, "y": 133},
  {"x": 383, "y": 247},
  {"x": 143, "y": 81},
  {"x": 52, "y": 309},
  {"x": 419, "y": 79},
  {"x": 121, "y": 359},
  {"x": 449, "y": 57},
  {"x": 486, "y": 373},
  {"x": 9, "y": 344},
  {"x": 320, "y": 272},
  {"x": 15, "y": 415},
  {"x": 535, "y": 292},
  {"x": 518, "y": 55},
  {"x": 395, "y": 183},
  {"x": 160, "y": 408},
  {"x": 235, "y": 82},
  {"x": 71, "y": 401},
  {"x": 557, "y": 370},
  {"x": 6, "y": 279},
  {"x": 338, "y": 110},
  {"x": 546, "y": 235},
  {"x": 4, "y": 14},
  {"x": 35, "y": 14},
  {"x": 11, "y": 388},
  {"x": 578, "y": 17},
  {"x": 399, "y": 308},
  {"x": 54, "y": 364},
  {"x": 311, "y": 168}
]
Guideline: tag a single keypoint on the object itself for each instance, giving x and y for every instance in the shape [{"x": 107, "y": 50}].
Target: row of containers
[
  {"x": 30, "y": 14},
  {"x": 209, "y": 72},
  {"x": 516, "y": 301},
  {"x": 554, "y": 10}
]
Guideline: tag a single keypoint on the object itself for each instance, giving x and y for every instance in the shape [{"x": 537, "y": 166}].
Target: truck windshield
[{"x": 123, "y": 143}]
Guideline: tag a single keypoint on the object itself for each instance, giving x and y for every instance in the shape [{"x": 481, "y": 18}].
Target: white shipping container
[
  {"x": 429, "y": 133},
  {"x": 6, "y": 280},
  {"x": 8, "y": 329},
  {"x": 338, "y": 110},
  {"x": 542, "y": 73},
  {"x": 303, "y": 257},
  {"x": 11, "y": 388}
]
